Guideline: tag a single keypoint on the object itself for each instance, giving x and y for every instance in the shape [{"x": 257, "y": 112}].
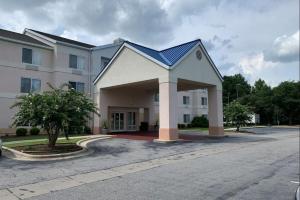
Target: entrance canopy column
[
  {"x": 168, "y": 108},
  {"x": 215, "y": 111}
]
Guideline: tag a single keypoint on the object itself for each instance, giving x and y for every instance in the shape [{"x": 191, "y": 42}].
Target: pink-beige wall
[{"x": 54, "y": 69}]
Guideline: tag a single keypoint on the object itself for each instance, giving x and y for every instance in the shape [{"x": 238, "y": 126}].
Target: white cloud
[
  {"x": 254, "y": 64},
  {"x": 285, "y": 49}
]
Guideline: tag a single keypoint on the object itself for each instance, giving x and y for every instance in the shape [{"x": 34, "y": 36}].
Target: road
[{"x": 243, "y": 166}]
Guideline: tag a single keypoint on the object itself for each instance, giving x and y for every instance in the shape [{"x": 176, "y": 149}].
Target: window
[
  {"x": 186, "y": 100},
  {"x": 156, "y": 97},
  {"x": 31, "y": 57},
  {"x": 186, "y": 118},
  {"x": 131, "y": 121},
  {"x": 30, "y": 85},
  {"x": 76, "y": 62},
  {"x": 104, "y": 61},
  {"x": 27, "y": 55},
  {"x": 203, "y": 101},
  {"x": 78, "y": 86}
]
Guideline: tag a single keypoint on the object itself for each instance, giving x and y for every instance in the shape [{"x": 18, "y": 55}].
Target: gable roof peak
[{"x": 168, "y": 56}]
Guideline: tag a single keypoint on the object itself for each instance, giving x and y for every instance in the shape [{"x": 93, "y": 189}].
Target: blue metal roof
[{"x": 167, "y": 56}]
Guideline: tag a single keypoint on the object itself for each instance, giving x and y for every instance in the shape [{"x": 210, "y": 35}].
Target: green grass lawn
[
  {"x": 11, "y": 142},
  {"x": 193, "y": 129}
]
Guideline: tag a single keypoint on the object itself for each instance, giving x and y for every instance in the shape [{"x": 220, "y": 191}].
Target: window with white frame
[
  {"x": 203, "y": 101},
  {"x": 30, "y": 56},
  {"x": 78, "y": 86},
  {"x": 186, "y": 100},
  {"x": 76, "y": 62},
  {"x": 186, "y": 118},
  {"x": 30, "y": 85}
]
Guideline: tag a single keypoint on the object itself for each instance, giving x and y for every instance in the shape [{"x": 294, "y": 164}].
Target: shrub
[
  {"x": 144, "y": 126},
  {"x": 34, "y": 131},
  {"x": 200, "y": 122},
  {"x": 21, "y": 132},
  {"x": 87, "y": 130},
  {"x": 181, "y": 126},
  {"x": 189, "y": 126},
  {"x": 74, "y": 130}
]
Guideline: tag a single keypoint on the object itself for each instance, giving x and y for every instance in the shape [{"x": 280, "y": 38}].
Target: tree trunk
[
  {"x": 238, "y": 127},
  {"x": 53, "y": 135}
]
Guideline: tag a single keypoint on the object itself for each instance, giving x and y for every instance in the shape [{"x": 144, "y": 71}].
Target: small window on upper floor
[
  {"x": 78, "y": 86},
  {"x": 186, "y": 100},
  {"x": 76, "y": 62},
  {"x": 30, "y": 56},
  {"x": 203, "y": 101},
  {"x": 30, "y": 85},
  {"x": 104, "y": 61}
]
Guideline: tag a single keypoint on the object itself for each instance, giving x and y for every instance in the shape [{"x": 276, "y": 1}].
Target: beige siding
[
  {"x": 190, "y": 68},
  {"x": 130, "y": 67}
]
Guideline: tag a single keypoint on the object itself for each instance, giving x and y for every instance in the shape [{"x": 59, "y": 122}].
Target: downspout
[{"x": 90, "y": 82}]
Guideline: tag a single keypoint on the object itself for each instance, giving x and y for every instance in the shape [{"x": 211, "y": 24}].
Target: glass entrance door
[
  {"x": 117, "y": 121},
  {"x": 131, "y": 121}
]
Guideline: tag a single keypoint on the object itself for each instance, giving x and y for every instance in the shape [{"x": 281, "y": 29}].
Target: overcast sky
[{"x": 258, "y": 38}]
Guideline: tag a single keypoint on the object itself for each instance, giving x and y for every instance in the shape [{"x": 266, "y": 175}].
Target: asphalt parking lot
[{"x": 243, "y": 166}]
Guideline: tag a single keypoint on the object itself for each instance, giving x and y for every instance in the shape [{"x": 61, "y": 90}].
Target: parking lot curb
[{"x": 18, "y": 155}]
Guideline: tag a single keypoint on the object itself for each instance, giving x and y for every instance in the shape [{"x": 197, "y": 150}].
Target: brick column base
[
  {"x": 168, "y": 134},
  {"x": 216, "y": 131},
  {"x": 96, "y": 130}
]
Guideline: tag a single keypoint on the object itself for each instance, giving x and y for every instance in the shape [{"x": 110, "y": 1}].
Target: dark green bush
[
  {"x": 201, "y": 122},
  {"x": 87, "y": 130},
  {"x": 189, "y": 126},
  {"x": 181, "y": 126},
  {"x": 21, "y": 132},
  {"x": 144, "y": 126},
  {"x": 75, "y": 130},
  {"x": 34, "y": 131}
]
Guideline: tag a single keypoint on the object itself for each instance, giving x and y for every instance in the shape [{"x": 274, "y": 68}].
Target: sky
[{"x": 257, "y": 38}]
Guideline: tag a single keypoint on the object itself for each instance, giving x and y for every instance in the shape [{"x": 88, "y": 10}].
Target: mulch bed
[{"x": 43, "y": 149}]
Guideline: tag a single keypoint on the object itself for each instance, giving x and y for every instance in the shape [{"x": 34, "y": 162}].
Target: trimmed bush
[
  {"x": 34, "y": 131},
  {"x": 189, "y": 126},
  {"x": 87, "y": 130},
  {"x": 181, "y": 126},
  {"x": 21, "y": 132},
  {"x": 201, "y": 122},
  {"x": 144, "y": 126}
]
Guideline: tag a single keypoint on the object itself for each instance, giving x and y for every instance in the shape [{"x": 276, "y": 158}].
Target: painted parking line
[
  {"x": 7, "y": 195},
  {"x": 44, "y": 187}
]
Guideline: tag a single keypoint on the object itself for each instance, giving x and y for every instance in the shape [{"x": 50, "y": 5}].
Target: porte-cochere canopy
[{"x": 126, "y": 86}]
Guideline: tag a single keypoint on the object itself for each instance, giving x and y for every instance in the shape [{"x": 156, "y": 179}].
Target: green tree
[
  {"x": 261, "y": 101},
  {"x": 235, "y": 87},
  {"x": 54, "y": 111},
  {"x": 287, "y": 100},
  {"x": 237, "y": 114}
]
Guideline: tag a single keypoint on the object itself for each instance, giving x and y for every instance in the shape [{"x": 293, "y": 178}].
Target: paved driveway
[{"x": 246, "y": 166}]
